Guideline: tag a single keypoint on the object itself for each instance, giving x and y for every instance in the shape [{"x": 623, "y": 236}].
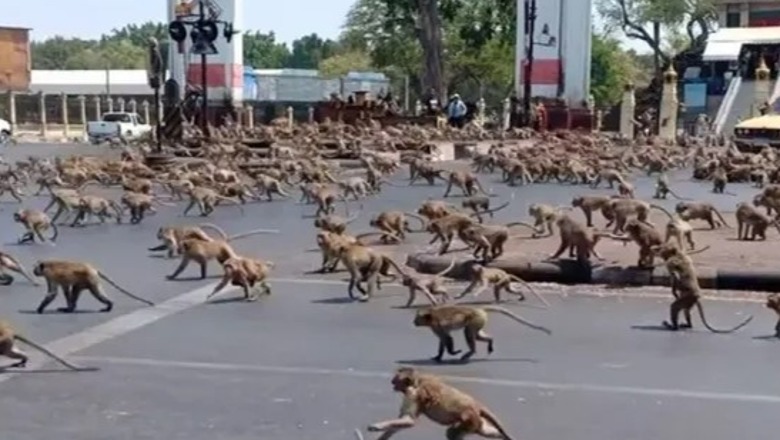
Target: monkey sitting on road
[
  {"x": 73, "y": 277},
  {"x": 245, "y": 272},
  {"x": 484, "y": 277},
  {"x": 36, "y": 223},
  {"x": 442, "y": 320},
  {"x": 444, "y": 404},
  {"x": 8, "y": 348},
  {"x": 773, "y": 302}
]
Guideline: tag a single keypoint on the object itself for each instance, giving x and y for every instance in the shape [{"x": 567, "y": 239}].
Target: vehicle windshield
[{"x": 116, "y": 117}]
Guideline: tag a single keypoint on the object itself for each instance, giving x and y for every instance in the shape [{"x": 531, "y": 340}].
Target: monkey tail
[
  {"x": 698, "y": 251},
  {"x": 527, "y": 225},
  {"x": 395, "y": 265},
  {"x": 526, "y": 284},
  {"x": 720, "y": 217},
  {"x": 449, "y": 268},
  {"x": 252, "y": 232},
  {"x": 487, "y": 414},
  {"x": 358, "y": 434},
  {"x": 714, "y": 330},
  {"x": 488, "y": 211},
  {"x": 353, "y": 217},
  {"x": 47, "y": 352},
  {"x": 423, "y": 221},
  {"x": 222, "y": 234},
  {"x": 674, "y": 194},
  {"x": 662, "y": 209},
  {"x": 55, "y": 232},
  {"x": 510, "y": 314},
  {"x": 126, "y": 292}
]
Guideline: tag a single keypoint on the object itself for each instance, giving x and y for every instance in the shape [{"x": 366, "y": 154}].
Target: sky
[{"x": 288, "y": 19}]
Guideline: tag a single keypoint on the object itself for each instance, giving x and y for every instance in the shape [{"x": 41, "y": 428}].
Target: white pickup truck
[
  {"x": 5, "y": 132},
  {"x": 120, "y": 125}
]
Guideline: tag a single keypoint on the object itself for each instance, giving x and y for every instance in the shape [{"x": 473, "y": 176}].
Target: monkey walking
[
  {"x": 8, "y": 348},
  {"x": 36, "y": 223},
  {"x": 73, "y": 277},
  {"x": 431, "y": 287},
  {"x": 245, "y": 272},
  {"x": 500, "y": 280},
  {"x": 442, "y": 320},
  {"x": 444, "y": 404}
]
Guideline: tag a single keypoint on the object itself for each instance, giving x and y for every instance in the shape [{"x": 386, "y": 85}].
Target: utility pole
[
  {"x": 530, "y": 21},
  {"x": 204, "y": 109}
]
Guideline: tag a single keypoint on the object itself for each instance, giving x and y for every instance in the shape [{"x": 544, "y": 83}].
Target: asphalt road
[{"x": 307, "y": 364}]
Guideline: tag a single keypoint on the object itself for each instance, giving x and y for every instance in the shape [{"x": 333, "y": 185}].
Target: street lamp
[
  {"x": 203, "y": 33},
  {"x": 530, "y": 21}
]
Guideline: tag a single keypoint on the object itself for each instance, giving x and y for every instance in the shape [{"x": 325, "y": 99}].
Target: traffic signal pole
[{"x": 204, "y": 110}]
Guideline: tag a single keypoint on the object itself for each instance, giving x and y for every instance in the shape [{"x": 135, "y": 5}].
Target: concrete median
[{"x": 572, "y": 272}]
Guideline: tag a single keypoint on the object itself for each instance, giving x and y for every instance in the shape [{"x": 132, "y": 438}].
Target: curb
[{"x": 572, "y": 272}]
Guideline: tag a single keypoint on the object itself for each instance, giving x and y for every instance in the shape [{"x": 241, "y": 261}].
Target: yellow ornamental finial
[{"x": 762, "y": 71}]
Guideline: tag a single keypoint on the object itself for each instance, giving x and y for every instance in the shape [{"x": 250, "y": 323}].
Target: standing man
[{"x": 456, "y": 111}]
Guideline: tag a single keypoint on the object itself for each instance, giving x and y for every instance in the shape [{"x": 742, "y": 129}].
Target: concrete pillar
[
  {"x": 763, "y": 87},
  {"x": 12, "y": 110},
  {"x": 121, "y": 102},
  {"x": 250, "y": 116},
  {"x": 600, "y": 121},
  {"x": 481, "y": 112},
  {"x": 669, "y": 106},
  {"x": 290, "y": 117},
  {"x": 627, "y": 110},
  {"x": 83, "y": 113},
  {"x": 98, "y": 112},
  {"x": 133, "y": 106},
  {"x": 506, "y": 114},
  {"x": 65, "y": 121},
  {"x": 110, "y": 102},
  {"x": 145, "y": 109},
  {"x": 418, "y": 108},
  {"x": 311, "y": 115},
  {"x": 42, "y": 109}
]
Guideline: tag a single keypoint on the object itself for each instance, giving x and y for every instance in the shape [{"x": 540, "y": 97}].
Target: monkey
[
  {"x": 646, "y": 236},
  {"x": 771, "y": 203},
  {"x": 35, "y": 223},
  {"x": 74, "y": 277},
  {"x": 270, "y": 186},
  {"x": 207, "y": 199},
  {"x": 8, "y": 348},
  {"x": 467, "y": 181},
  {"x": 429, "y": 286},
  {"x": 334, "y": 223},
  {"x": 480, "y": 204},
  {"x": 719, "y": 179},
  {"x": 141, "y": 186},
  {"x": 773, "y": 303},
  {"x": 308, "y": 190},
  {"x": 483, "y": 277},
  {"x": 171, "y": 236},
  {"x": 433, "y": 209},
  {"x": 138, "y": 204},
  {"x": 700, "y": 211},
  {"x": 444, "y": 319},
  {"x": 10, "y": 263},
  {"x": 395, "y": 224},
  {"x": 66, "y": 202},
  {"x": 245, "y": 272},
  {"x": 445, "y": 228},
  {"x": 331, "y": 245},
  {"x": 622, "y": 209},
  {"x": 357, "y": 187},
  {"x": 201, "y": 252},
  {"x": 590, "y": 204},
  {"x": 325, "y": 198},
  {"x": 543, "y": 214},
  {"x": 236, "y": 190},
  {"x": 662, "y": 188},
  {"x": 578, "y": 239},
  {"x": 365, "y": 265},
  {"x": 426, "y": 171},
  {"x": 15, "y": 192},
  {"x": 686, "y": 282},
  {"x": 611, "y": 176},
  {"x": 670, "y": 251},
  {"x": 678, "y": 229},
  {"x": 752, "y": 222},
  {"x": 442, "y": 403},
  {"x": 98, "y": 206},
  {"x": 626, "y": 189},
  {"x": 489, "y": 239}
]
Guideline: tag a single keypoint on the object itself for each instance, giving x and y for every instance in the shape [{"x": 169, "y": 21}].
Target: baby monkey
[
  {"x": 8, "y": 348},
  {"x": 442, "y": 320},
  {"x": 36, "y": 223}
]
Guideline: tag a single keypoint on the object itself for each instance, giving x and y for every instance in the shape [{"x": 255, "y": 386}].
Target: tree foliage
[
  {"x": 611, "y": 69},
  {"x": 344, "y": 62}
]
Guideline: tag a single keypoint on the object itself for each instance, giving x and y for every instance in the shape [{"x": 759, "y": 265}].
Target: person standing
[{"x": 456, "y": 111}]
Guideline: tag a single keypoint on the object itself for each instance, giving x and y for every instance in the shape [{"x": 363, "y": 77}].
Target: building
[
  {"x": 15, "y": 62},
  {"x": 748, "y": 13}
]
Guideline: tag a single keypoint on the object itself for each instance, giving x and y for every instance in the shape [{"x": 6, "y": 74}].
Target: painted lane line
[{"x": 546, "y": 386}]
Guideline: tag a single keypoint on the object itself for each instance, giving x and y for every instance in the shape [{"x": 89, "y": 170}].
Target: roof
[
  {"x": 766, "y": 121},
  {"x": 726, "y": 43},
  {"x": 14, "y": 28},
  {"x": 89, "y": 82}
]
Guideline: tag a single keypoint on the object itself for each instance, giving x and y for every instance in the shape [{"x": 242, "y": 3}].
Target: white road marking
[{"x": 545, "y": 386}]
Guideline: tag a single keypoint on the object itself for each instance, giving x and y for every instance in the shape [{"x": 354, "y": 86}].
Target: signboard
[{"x": 695, "y": 95}]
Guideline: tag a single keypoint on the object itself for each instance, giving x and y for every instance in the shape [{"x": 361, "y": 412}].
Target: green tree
[
  {"x": 344, "y": 62},
  {"x": 308, "y": 51},
  {"x": 262, "y": 51},
  {"x": 611, "y": 69}
]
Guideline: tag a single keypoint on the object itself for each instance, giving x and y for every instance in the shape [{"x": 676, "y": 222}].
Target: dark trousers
[{"x": 457, "y": 121}]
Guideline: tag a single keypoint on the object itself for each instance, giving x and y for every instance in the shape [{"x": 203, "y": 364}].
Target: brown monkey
[
  {"x": 489, "y": 239},
  {"x": 577, "y": 238},
  {"x": 433, "y": 209},
  {"x": 201, "y": 252},
  {"x": 325, "y": 197},
  {"x": 678, "y": 229},
  {"x": 480, "y": 204},
  {"x": 623, "y": 209},
  {"x": 245, "y": 272},
  {"x": 646, "y": 236},
  {"x": 139, "y": 204},
  {"x": 484, "y": 277},
  {"x": 591, "y": 204},
  {"x": 36, "y": 223},
  {"x": 626, "y": 189},
  {"x": 442, "y": 320},
  {"x": 662, "y": 188},
  {"x": 773, "y": 302},
  {"x": 752, "y": 222},
  {"x": 97, "y": 206},
  {"x": 719, "y": 179},
  {"x": 467, "y": 181},
  {"x": 142, "y": 186},
  {"x": 700, "y": 211},
  {"x": 446, "y": 405},
  {"x": 270, "y": 186},
  {"x": 332, "y": 244},
  {"x": 365, "y": 265},
  {"x": 73, "y": 277},
  {"x": 429, "y": 286},
  {"x": 10, "y": 263},
  {"x": 445, "y": 228},
  {"x": 543, "y": 214},
  {"x": 686, "y": 282},
  {"x": 8, "y": 348},
  {"x": 10, "y": 187},
  {"x": 66, "y": 202},
  {"x": 171, "y": 236},
  {"x": 334, "y": 223},
  {"x": 207, "y": 199},
  {"x": 395, "y": 224},
  {"x": 611, "y": 176}
]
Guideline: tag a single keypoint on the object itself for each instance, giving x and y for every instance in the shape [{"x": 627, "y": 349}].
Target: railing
[{"x": 726, "y": 104}]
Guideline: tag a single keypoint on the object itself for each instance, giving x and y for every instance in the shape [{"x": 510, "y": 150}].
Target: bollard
[
  {"x": 481, "y": 112},
  {"x": 311, "y": 115},
  {"x": 250, "y": 116},
  {"x": 290, "y": 120},
  {"x": 97, "y": 108},
  {"x": 110, "y": 102},
  {"x": 65, "y": 122},
  {"x": 506, "y": 114},
  {"x": 418, "y": 108},
  {"x": 42, "y": 107},
  {"x": 133, "y": 104},
  {"x": 12, "y": 110},
  {"x": 121, "y": 102},
  {"x": 145, "y": 108},
  {"x": 83, "y": 113}
]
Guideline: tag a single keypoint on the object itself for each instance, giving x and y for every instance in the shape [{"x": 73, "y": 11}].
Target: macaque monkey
[
  {"x": 246, "y": 273},
  {"x": 73, "y": 277},
  {"x": 207, "y": 199},
  {"x": 36, "y": 223},
  {"x": 678, "y": 229},
  {"x": 480, "y": 204},
  {"x": 395, "y": 224},
  {"x": 483, "y": 277},
  {"x": 773, "y": 303},
  {"x": 442, "y": 320},
  {"x": 752, "y": 223},
  {"x": 139, "y": 204},
  {"x": 444, "y": 404},
  {"x": 591, "y": 204},
  {"x": 700, "y": 211},
  {"x": 10, "y": 263},
  {"x": 578, "y": 239},
  {"x": 201, "y": 252},
  {"x": 662, "y": 188},
  {"x": 544, "y": 215},
  {"x": 334, "y": 223},
  {"x": 431, "y": 287},
  {"x": 8, "y": 338},
  {"x": 171, "y": 236},
  {"x": 467, "y": 181}
]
